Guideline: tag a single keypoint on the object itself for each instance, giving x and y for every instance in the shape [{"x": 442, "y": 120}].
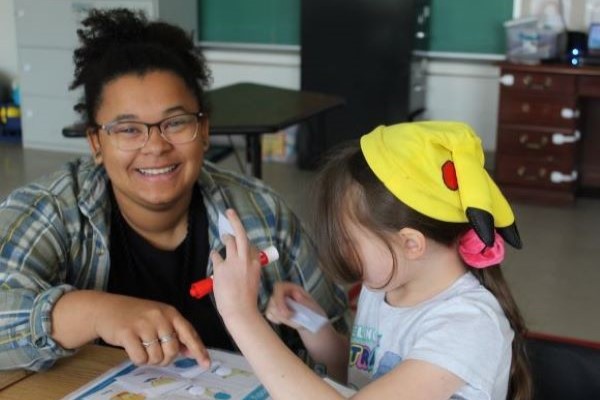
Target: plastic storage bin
[
  {"x": 10, "y": 123},
  {"x": 527, "y": 43}
]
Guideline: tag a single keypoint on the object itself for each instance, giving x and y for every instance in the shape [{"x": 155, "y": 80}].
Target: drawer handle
[
  {"x": 560, "y": 138},
  {"x": 525, "y": 107},
  {"x": 524, "y": 140},
  {"x": 569, "y": 113},
  {"x": 559, "y": 177},
  {"x": 522, "y": 172},
  {"x": 528, "y": 81}
]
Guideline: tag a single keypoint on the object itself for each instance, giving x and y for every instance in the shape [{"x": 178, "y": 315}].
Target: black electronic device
[{"x": 576, "y": 48}]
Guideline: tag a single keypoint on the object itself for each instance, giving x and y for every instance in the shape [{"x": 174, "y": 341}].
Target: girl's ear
[
  {"x": 94, "y": 143},
  {"x": 412, "y": 242}
]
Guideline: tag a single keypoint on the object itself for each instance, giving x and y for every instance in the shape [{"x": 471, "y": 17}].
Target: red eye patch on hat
[{"x": 449, "y": 175}]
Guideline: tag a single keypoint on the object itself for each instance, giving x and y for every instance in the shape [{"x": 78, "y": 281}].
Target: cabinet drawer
[
  {"x": 535, "y": 173},
  {"x": 43, "y": 119},
  {"x": 47, "y": 72},
  {"x": 530, "y": 109},
  {"x": 538, "y": 82},
  {"x": 549, "y": 145},
  {"x": 588, "y": 86}
]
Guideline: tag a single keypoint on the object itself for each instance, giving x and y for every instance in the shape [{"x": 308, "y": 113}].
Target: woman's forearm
[{"x": 72, "y": 316}]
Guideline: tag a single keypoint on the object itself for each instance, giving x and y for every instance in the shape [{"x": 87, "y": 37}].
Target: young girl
[{"x": 412, "y": 214}]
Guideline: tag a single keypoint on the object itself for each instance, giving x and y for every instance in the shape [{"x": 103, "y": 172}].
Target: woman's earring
[{"x": 97, "y": 154}]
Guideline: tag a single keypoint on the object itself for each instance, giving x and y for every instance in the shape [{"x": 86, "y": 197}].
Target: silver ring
[
  {"x": 150, "y": 343},
  {"x": 167, "y": 338}
]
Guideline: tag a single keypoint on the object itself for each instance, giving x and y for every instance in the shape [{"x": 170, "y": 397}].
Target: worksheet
[{"x": 228, "y": 378}]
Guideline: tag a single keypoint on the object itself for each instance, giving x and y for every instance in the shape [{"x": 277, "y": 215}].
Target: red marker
[{"x": 201, "y": 288}]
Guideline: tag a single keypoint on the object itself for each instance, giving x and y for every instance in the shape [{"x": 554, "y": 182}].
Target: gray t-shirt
[{"x": 463, "y": 330}]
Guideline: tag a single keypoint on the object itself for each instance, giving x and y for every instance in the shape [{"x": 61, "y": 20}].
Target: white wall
[
  {"x": 458, "y": 90},
  {"x": 271, "y": 67},
  {"x": 578, "y": 13}
]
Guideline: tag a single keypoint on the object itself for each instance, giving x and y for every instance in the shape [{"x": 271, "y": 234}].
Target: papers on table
[{"x": 229, "y": 377}]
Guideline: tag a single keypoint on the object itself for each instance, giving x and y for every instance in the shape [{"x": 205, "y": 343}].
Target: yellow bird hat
[{"x": 436, "y": 168}]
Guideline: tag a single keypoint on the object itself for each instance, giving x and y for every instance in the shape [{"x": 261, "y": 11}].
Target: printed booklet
[{"x": 229, "y": 377}]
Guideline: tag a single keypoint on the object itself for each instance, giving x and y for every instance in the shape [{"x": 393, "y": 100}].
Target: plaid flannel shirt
[{"x": 54, "y": 237}]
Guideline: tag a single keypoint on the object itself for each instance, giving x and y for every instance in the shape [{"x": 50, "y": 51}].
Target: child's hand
[
  {"x": 236, "y": 279},
  {"x": 278, "y": 312}
]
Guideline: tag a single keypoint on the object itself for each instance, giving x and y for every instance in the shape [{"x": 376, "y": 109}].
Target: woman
[{"x": 106, "y": 248}]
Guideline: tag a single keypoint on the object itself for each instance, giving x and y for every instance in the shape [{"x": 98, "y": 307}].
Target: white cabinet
[{"x": 46, "y": 38}]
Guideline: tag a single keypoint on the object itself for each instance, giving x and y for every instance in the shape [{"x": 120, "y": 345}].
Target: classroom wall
[
  {"x": 577, "y": 12},
  {"x": 457, "y": 89}
]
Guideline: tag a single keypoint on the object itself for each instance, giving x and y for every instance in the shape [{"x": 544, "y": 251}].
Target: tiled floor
[{"x": 555, "y": 277}]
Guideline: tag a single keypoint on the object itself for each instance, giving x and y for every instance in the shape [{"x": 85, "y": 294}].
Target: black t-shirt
[{"x": 139, "y": 269}]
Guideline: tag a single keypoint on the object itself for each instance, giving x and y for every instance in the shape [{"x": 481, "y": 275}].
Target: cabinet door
[
  {"x": 46, "y": 23},
  {"x": 541, "y": 110},
  {"x": 47, "y": 72},
  {"x": 43, "y": 119},
  {"x": 541, "y": 143}
]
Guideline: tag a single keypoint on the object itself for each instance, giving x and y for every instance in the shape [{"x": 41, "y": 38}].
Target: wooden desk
[
  {"x": 66, "y": 375},
  {"x": 548, "y": 141},
  {"x": 250, "y": 110}
]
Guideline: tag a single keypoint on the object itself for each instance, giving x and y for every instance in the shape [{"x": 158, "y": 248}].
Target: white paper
[
  {"x": 306, "y": 317},
  {"x": 229, "y": 377},
  {"x": 225, "y": 227}
]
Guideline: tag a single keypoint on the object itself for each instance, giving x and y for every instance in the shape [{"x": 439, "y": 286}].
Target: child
[{"x": 413, "y": 215}]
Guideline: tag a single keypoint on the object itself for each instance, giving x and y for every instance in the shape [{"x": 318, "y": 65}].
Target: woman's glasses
[{"x": 133, "y": 135}]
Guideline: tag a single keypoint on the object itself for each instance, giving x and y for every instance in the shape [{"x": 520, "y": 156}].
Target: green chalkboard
[
  {"x": 469, "y": 26},
  {"x": 249, "y": 21},
  {"x": 459, "y": 26}
]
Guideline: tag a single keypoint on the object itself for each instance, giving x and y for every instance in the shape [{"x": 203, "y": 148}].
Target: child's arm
[
  {"x": 326, "y": 346},
  {"x": 236, "y": 282}
]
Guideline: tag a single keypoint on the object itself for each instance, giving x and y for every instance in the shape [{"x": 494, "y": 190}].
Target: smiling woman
[{"x": 105, "y": 249}]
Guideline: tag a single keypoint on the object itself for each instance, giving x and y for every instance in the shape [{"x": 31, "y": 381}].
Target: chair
[{"x": 564, "y": 368}]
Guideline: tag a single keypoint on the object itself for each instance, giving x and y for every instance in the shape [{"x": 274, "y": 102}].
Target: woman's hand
[
  {"x": 236, "y": 279},
  {"x": 278, "y": 311},
  {"x": 149, "y": 331}
]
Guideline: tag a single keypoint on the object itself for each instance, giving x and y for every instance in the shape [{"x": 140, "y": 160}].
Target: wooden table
[
  {"x": 66, "y": 375},
  {"x": 251, "y": 110}
]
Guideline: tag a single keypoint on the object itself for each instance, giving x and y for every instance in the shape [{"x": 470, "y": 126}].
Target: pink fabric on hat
[{"x": 475, "y": 253}]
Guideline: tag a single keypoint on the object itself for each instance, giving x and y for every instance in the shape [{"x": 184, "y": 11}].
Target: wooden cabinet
[{"x": 543, "y": 130}]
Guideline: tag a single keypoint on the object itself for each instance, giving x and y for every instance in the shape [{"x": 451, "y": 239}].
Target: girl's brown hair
[{"x": 347, "y": 189}]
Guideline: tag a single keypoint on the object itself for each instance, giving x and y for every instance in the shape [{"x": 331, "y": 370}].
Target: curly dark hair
[{"x": 120, "y": 41}]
